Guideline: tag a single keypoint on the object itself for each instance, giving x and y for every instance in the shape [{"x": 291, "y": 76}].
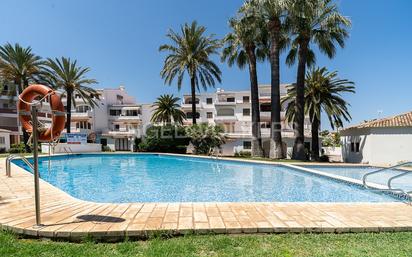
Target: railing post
[{"x": 35, "y": 137}]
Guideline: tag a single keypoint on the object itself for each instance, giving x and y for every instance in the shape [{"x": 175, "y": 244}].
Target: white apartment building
[
  {"x": 232, "y": 110},
  {"x": 114, "y": 122}
]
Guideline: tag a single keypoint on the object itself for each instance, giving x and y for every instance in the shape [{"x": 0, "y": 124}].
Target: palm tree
[
  {"x": 67, "y": 75},
  {"x": 190, "y": 53},
  {"x": 244, "y": 46},
  {"x": 274, "y": 13},
  {"x": 21, "y": 66},
  {"x": 322, "y": 94},
  {"x": 316, "y": 22},
  {"x": 167, "y": 110}
]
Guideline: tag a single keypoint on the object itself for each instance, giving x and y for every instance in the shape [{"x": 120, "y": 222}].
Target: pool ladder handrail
[
  {"x": 16, "y": 156},
  {"x": 68, "y": 151},
  {"x": 407, "y": 194}
]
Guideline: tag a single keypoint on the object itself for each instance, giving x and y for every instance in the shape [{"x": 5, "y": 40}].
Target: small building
[
  {"x": 4, "y": 140},
  {"x": 385, "y": 141}
]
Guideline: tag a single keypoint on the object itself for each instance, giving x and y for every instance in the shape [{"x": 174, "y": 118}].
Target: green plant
[
  {"x": 17, "y": 148},
  {"x": 67, "y": 75},
  {"x": 106, "y": 148},
  {"x": 167, "y": 109},
  {"x": 205, "y": 138},
  {"x": 243, "y": 154},
  {"x": 312, "y": 23},
  {"x": 244, "y": 46},
  {"x": 323, "y": 93},
  {"x": 136, "y": 142},
  {"x": 324, "y": 158},
  {"x": 190, "y": 53},
  {"x": 167, "y": 139},
  {"x": 20, "y": 66}
]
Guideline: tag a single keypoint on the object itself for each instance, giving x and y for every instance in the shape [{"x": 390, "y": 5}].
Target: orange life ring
[{"x": 59, "y": 119}]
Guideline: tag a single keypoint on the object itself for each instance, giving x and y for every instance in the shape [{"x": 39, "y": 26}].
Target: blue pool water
[
  {"x": 357, "y": 172},
  {"x": 158, "y": 178}
]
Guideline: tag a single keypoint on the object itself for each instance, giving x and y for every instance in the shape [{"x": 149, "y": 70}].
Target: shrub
[
  {"x": 106, "y": 148},
  {"x": 324, "y": 158},
  {"x": 2, "y": 150},
  {"x": 165, "y": 139},
  {"x": 136, "y": 143},
  {"x": 205, "y": 137},
  {"x": 245, "y": 154},
  {"x": 17, "y": 148}
]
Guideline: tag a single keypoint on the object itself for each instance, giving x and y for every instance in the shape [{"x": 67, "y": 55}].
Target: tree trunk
[
  {"x": 315, "y": 139},
  {"x": 257, "y": 149},
  {"x": 193, "y": 88},
  {"x": 276, "y": 146},
  {"x": 299, "y": 146},
  {"x": 69, "y": 110}
]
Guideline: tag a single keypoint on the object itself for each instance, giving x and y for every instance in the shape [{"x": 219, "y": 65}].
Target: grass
[{"x": 382, "y": 244}]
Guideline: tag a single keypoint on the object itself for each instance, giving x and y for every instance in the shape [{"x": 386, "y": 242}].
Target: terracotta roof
[{"x": 401, "y": 120}]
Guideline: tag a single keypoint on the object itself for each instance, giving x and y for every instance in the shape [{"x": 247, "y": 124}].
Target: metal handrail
[
  {"x": 381, "y": 170},
  {"x": 15, "y": 156},
  {"x": 407, "y": 194},
  {"x": 404, "y": 173},
  {"x": 68, "y": 151}
]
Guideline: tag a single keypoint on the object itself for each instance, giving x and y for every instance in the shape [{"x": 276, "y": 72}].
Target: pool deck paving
[{"x": 65, "y": 217}]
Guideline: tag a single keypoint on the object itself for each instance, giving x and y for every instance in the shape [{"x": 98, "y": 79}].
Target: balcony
[
  {"x": 225, "y": 118},
  {"x": 81, "y": 115},
  {"x": 125, "y": 118}
]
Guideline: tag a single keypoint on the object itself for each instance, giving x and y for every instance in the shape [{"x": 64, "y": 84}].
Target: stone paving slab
[{"x": 66, "y": 217}]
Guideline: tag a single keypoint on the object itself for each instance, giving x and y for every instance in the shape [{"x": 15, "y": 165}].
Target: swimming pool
[
  {"x": 357, "y": 172},
  {"x": 120, "y": 178}
]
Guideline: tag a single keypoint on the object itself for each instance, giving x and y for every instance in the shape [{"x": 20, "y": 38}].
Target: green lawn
[{"x": 384, "y": 244}]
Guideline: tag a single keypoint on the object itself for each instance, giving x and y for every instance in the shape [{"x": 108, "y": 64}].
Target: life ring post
[{"x": 36, "y": 164}]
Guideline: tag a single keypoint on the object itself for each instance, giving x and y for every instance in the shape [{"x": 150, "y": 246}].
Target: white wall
[
  {"x": 6, "y": 136},
  {"x": 75, "y": 148},
  {"x": 378, "y": 146}
]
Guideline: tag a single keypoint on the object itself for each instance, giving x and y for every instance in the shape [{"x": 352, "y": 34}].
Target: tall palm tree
[
  {"x": 190, "y": 52},
  {"x": 274, "y": 13},
  {"x": 20, "y": 66},
  {"x": 311, "y": 22},
  {"x": 67, "y": 75},
  {"x": 244, "y": 45},
  {"x": 322, "y": 94},
  {"x": 167, "y": 110}
]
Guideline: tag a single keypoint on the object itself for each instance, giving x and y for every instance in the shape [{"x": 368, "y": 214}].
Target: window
[
  {"x": 355, "y": 147},
  {"x": 230, "y": 100},
  {"x": 190, "y": 116},
  {"x": 246, "y": 112},
  {"x": 246, "y": 99},
  {"x": 83, "y": 108},
  {"x": 247, "y": 145},
  {"x": 131, "y": 112},
  {"x": 209, "y": 100},
  {"x": 209, "y": 115},
  {"x": 225, "y": 112},
  {"x": 2, "y": 140},
  {"x": 265, "y": 107},
  {"x": 115, "y": 112},
  {"x": 83, "y": 125},
  {"x": 189, "y": 101},
  {"x": 117, "y": 127}
]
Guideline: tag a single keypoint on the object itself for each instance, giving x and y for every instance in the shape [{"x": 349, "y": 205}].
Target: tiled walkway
[{"x": 66, "y": 217}]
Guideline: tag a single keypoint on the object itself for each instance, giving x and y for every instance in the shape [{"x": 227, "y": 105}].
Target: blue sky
[{"x": 119, "y": 40}]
